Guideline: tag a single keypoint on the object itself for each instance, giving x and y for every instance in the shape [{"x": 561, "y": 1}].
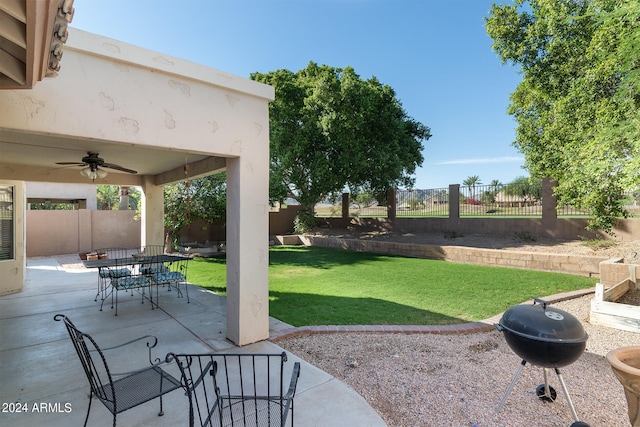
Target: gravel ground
[{"x": 459, "y": 380}]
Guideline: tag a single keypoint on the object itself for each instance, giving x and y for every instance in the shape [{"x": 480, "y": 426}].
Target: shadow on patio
[{"x": 38, "y": 364}]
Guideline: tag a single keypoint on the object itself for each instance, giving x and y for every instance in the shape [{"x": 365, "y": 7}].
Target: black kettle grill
[{"x": 546, "y": 337}]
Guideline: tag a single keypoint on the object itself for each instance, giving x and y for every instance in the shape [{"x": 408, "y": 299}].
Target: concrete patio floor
[{"x": 38, "y": 364}]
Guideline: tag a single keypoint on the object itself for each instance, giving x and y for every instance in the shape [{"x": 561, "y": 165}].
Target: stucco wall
[
  {"x": 51, "y": 190},
  {"x": 65, "y": 232}
]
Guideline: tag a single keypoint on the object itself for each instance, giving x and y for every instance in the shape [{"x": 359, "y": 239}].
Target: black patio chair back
[
  {"x": 106, "y": 273},
  {"x": 172, "y": 274},
  {"x": 238, "y": 389},
  {"x": 127, "y": 277},
  {"x": 119, "y": 392}
]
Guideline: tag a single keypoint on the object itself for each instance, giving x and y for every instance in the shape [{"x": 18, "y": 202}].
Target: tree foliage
[
  {"x": 577, "y": 107},
  {"x": 525, "y": 188},
  {"x": 331, "y": 130},
  {"x": 49, "y": 206},
  {"x": 489, "y": 196},
  {"x": 472, "y": 182},
  {"x": 198, "y": 199},
  {"x": 108, "y": 197}
]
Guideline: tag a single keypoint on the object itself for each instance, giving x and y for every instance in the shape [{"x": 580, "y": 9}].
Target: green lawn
[{"x": 320, "y": 286}]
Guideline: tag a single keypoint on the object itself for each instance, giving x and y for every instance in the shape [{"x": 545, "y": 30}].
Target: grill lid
[{"x": 543, "y": 323}]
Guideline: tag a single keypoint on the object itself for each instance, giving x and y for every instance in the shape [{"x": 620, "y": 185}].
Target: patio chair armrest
[
  {"x": 152, "y": 341},
  {"x": 190, "y": 384},
  {"x": 295, "y": 374}
]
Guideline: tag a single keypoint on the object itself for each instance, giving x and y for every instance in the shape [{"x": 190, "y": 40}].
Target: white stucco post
[
  {"x": 248, "y": 248},
  {"x": 152, "y": 227}
]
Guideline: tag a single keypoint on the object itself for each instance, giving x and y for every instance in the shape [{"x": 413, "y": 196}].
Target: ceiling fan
[{"x": 93, "y": 164}]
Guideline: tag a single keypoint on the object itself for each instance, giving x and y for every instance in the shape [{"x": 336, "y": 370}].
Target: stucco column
[
  {"x": 454, "y": 201},
  {"x": 549, "y": 200},
  {"x": 152, "y": 227},
  {"x": 248, "y": 248}
]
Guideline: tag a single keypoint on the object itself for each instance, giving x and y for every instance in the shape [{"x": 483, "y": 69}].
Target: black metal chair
[
  {"x": 119, "y": 392},
  {"x": 134, "y": 280},
  {"x": 106, "y": 273},
  {"x": 171, "y": 274},
  {"x": 237, "y": 389}
]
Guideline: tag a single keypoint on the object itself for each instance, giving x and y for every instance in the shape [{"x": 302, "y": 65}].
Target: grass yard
[{"x": 320, "y": 286}]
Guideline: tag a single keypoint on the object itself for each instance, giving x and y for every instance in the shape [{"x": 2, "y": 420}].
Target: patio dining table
[
  {"x": 113, "y": 262},
  {"x": 139, "y": 271}
]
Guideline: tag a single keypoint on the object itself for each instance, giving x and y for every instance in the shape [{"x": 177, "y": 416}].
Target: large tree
[
  {"x": 331, "y": 130},
  {"x": 577, "y": 107},
  {"x": 191, "y": 200}
]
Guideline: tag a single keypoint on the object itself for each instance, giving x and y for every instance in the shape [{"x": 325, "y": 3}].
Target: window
[{"x": 6, "y": 222}]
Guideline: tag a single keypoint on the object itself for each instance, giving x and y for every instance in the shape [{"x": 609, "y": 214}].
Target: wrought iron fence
[
  {"x": 334, "y": 210},
  {"x": 501, "y": 200},
  {"x": 520, "y": 199},
  {"x": 328, "y": 210},
  {"x": 422, "y": 203}
]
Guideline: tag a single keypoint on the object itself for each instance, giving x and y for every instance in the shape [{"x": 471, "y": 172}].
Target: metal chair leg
[{"x": 88, "y": 410}]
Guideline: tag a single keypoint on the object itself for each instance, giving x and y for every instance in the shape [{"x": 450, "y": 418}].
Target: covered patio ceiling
[{"x": 34, "y": 157}]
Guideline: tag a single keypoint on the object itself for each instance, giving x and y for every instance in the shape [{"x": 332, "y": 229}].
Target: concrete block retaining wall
[{"x": 571, "y": 264}]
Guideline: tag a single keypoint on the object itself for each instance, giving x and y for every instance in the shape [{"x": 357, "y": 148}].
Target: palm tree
[
  {"x": 495, "y": 187},
  {"x": 112, "y": 197},
  {"x": 471, "y": 183},
  {"x": 108, "y": 196}
]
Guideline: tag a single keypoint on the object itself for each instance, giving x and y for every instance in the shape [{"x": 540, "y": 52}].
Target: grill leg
[
  {"x": 566, "y": 394},
  {"x": 513, "y": 381},
  {"x": 547, "y": 392}
]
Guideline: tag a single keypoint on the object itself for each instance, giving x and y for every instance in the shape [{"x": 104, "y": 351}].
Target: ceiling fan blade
[
  {"x": 117, "y": 167},
  {"x": 70, "y": 163}
]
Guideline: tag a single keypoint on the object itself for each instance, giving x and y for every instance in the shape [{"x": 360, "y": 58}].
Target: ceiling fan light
[
  {"x": 86, "y": 172},
  {"x": 93, "y": 174}
]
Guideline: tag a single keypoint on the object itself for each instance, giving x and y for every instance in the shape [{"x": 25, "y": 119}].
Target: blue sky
[{"x": 434, "y": 53}]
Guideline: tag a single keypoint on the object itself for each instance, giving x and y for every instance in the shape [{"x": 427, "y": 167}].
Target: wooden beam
[{"x": 198, "y": 169}]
